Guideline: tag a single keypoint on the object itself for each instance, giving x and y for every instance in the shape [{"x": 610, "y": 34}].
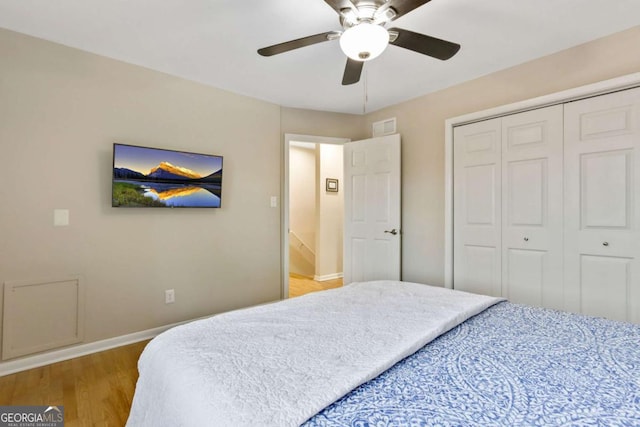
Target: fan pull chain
[{"x": 365, "y": 93}]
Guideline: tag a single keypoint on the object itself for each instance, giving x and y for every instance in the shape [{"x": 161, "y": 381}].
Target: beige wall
[
  {"x": 302, "y": 206},
  {"x": 320, "y": 123},
  {"x": 421, "y": 124},
  {"x": 60, "y": 112},
  {"x": 330, "y": 208}
]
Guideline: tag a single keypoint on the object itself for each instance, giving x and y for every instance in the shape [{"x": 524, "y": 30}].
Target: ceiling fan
[{"x": 364, "y": 35}]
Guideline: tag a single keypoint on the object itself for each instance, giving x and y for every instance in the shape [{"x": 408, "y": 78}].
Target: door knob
[
  {"x": 605, "y": 244},
  {"x": 526, "y": 239},
  {"x": 392, "y": 231}
]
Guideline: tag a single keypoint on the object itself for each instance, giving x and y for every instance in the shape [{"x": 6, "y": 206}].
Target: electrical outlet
[{"x": 169, "y": 296}]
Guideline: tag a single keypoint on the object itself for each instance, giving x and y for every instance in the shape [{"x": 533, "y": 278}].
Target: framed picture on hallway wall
[{"x": 332, "y": 185}]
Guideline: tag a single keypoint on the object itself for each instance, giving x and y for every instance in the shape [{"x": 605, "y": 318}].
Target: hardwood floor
[
  {"x": 95, "y": 390},
  {"x": 300, "y": 285}
]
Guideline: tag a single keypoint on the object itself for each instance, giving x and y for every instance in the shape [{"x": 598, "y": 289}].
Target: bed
[{"x": 391, "y": 354}]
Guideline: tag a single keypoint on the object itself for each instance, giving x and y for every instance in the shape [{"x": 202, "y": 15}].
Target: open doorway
[{"x": 313, "y": 210}]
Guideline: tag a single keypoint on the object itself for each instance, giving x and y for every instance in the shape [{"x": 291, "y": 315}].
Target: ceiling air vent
[{"x": 384, "y": 127}]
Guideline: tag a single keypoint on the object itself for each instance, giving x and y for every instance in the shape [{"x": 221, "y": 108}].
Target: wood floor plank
[
  {"x": 95, "y": 390},
  {"x": 300, "y": 285},
  {"x": 7, "y": 388}
]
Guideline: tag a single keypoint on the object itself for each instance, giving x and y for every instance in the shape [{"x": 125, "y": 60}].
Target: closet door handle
[
  {"x": 605, "y": 244},
  {"x": 526, "y": 239},
  {"x": 393, "y": 232}
]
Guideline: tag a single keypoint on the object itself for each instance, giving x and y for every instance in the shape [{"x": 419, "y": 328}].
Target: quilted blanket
[
  {"x": 279, "y": 364},
  {"x": 511, "y": 365}
]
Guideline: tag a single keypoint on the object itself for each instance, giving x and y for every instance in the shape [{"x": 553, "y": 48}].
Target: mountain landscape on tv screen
[{"x": 166, "y": 172}]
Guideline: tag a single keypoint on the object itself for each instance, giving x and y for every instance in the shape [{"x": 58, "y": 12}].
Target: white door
[
  {"x": 602, "y": 211},
  {"x": 477, "y": 208},
  {"x": 372, "y": 238},
  {"x": 532, "y": 207}
]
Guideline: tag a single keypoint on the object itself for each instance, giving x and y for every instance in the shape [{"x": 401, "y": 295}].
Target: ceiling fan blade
[
  {"x": 340, "y": 5},
  {"x": 402, "y": 7},
  {"x": 427, "y": 45},
  {"x": 352, "y": 72},
  {"x": 297, "y": 43}
]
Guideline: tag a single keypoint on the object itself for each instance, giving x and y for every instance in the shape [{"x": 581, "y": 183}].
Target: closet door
[
  {"x": 602, "y": 205},
  {"x": 532, "y": 207},
  {"x": 477, "y": 208}
]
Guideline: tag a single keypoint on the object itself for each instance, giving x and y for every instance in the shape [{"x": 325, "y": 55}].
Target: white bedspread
[{"x": 279, "y": 364}]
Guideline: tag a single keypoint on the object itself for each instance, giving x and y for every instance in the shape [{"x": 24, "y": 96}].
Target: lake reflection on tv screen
[
  {"x": 153, "y": 194},
  {"x": 180, "y": 196}
]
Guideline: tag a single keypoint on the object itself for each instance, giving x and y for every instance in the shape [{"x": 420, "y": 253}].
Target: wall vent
[
  {"x": 41, "y": 315},
  {"x": 384, "y": 127}
]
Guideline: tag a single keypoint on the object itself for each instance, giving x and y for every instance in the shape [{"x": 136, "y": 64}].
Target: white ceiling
[{"x": 215, "y": 41}]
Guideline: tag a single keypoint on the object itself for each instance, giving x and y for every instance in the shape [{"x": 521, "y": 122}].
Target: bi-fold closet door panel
[
  {"x": 532, "y": 207},
  {"x": 477, "y": 208},
  {"x": 508, "y": 207},
  {"x": 602, "y": 205}
]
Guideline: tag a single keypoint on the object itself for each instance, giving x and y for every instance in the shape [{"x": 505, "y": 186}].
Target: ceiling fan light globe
[{"x": 364, "y": 41}]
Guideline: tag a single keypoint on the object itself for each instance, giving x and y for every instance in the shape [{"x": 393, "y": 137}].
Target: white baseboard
[
  {"x": 328, "y": 277},
  {"x": 42, "y": 359}
]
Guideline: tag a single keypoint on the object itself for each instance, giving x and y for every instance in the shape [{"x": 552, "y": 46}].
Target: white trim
[
  {"x": 290, "y": 138},
  {"x": 328, "y": 277},
  {"x": 595, "y": 89},
  {"x": 43, "y": 359},
  {"x": 448, "y": 205}
]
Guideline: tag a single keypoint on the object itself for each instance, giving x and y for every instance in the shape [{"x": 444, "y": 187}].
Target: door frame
[
  {"x": 284, "y": 242},
  {"x": 581, "y": 92}
]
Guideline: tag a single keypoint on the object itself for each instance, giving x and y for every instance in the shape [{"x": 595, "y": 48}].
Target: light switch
[
  {"x": 274, "y": 201},
  {"x": 60, "y": 217}
]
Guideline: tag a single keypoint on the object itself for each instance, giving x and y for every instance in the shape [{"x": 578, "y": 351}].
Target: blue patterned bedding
[{"x": 511, "y": 365}]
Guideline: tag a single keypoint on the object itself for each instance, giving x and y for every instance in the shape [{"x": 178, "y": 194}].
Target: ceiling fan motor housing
[{"x": 366, "y": 11}]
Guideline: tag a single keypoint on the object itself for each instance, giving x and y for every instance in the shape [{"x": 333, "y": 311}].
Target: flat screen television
[{"x": 159, "y": 178}]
